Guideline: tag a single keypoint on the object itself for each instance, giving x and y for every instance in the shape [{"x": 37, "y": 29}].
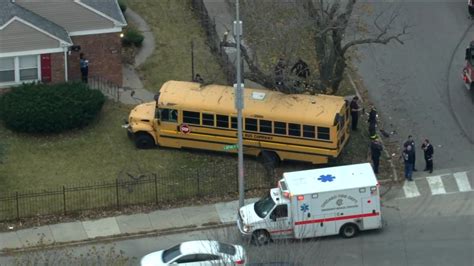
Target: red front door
[{"x": 46, "y": 68}]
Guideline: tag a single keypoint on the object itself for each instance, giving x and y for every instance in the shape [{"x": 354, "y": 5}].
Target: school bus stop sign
[
  {"x": 184, "y": 128},
  {"x": 230, "y": 147}
]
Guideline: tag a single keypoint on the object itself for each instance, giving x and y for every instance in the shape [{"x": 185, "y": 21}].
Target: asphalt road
[
  {"x": 417, "y": 86},
  {"x": 427, "y": 230}
]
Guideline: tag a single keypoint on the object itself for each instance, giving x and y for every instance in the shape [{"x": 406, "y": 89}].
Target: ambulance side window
[{"x": 280, "y": 211}]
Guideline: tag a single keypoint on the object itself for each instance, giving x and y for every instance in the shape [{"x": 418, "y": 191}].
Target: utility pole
[{"x": 239, "y": 105}]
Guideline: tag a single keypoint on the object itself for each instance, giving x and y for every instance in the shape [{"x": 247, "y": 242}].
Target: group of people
[
  {"x": 409, "y": 156},
  {"x": 376, "y": 147}
]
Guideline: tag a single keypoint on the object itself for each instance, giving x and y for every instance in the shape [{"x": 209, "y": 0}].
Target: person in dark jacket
[
  {"x": 375, "y": 151},
  {"x": 84, "y": 64},
  {"x": 408, "y": 160},
  {"x": 279, "y": 72},
  {"x": 428, "y": 152},
  {"x": 300, "y": 69},
  {"x": 355, "y": 109},
  {"x": 372, "y": 121},
  {"x": 411, "y": 142}
]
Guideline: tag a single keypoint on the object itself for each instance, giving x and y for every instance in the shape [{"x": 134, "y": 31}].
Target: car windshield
[
  {"x": 171, "y": 253},
  {"x": 226, "y": 249},
  {"x": 264, "y": 206}
]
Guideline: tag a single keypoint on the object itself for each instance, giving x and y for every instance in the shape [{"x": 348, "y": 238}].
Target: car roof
[{"x": 199, "y": 246}]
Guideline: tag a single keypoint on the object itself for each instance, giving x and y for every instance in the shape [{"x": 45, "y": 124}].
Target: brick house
[{"x": 41, "y": 40}]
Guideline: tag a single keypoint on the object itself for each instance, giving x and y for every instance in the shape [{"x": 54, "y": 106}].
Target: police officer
[
  {"x": 428, "y": 150},
  {"x": 411, "y": 142},
  {"x": 355, "y": 109},
  {"x": 372, "y": 120},
  {"x": 408, "y": 159},
  {"x": 375, "y": 151}
]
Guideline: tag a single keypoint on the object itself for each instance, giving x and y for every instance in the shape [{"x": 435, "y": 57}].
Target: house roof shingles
[
  {"x": 108, "y": 7},
  {"x": 10, "y": 10}
]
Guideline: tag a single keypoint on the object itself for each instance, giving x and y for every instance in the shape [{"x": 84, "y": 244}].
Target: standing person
[
  {"x": 84, "y": 63},
  {"x": 428, "y": 150},
  {"x": 372, "y": 121},
  {"x": 355, "y": 109},
  {"x": 411, "y": 142},
  {"x": 279, "y": 72},
  {"x": 408, "y": 160},
  {"x": 300, "y": 69},
  {"x": 375, "y": 151}
]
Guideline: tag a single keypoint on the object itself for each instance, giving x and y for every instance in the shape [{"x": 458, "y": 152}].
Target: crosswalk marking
[
  {"x": 436, "y": 185},
  {"x": 462, "y": 181},
  {"x": 410, "y": 189}
]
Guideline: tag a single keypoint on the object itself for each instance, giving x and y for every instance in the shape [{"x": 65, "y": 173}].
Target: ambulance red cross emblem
[{"x": 184, "y": 128}]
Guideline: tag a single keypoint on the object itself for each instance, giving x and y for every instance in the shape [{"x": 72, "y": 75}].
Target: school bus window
[
  {"x": 191, "y": 117},
  {"x": 168, "y": 115},
  {"x": 323, "y": 133},
  {"x": 250, "y": 124},
  {"x": 280, "y": 128},
  {"x": 294, "y": 129},
  {"x": 222, "y": 121},
  {"x": 234, "y": 122},
  {"x": 265, "y": 126},
  {"x": 309, "y": 131},
  {"x": 208, "y": 119}
]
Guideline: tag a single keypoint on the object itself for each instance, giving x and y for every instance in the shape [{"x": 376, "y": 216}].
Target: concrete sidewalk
[{"x": 195, "y": 217}]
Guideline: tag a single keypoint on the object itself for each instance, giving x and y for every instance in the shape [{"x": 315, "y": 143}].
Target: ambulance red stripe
[
  {"x": 281, "y": 231},
  {"x": 347, "y": 217}
]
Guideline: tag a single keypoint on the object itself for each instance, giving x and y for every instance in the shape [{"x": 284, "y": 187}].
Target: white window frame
[{"x": 16, "y": 63}]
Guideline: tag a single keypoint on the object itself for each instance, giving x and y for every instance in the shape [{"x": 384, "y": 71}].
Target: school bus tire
[
  {"x": 270, "y": 158},
  {"x": 349, "y": 230},
  {"x": 144, "y": 141},
  {"x": 261, "y": 238}
]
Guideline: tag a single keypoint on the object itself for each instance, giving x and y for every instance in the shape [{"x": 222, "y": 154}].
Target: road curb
[{"x": 394, "y": 170}]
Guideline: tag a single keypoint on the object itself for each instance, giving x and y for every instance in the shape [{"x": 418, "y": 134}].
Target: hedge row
[{"x": 40, "y": 108}]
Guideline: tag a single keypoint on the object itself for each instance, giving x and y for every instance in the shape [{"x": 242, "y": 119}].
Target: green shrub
[
  {"x": 40, "y": 108},
  {"x": 122, "y": 5},
  {"x": 133, "y": 37}
]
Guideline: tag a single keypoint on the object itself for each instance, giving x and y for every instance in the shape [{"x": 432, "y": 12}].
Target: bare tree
[{"x": 311, "y": 29}]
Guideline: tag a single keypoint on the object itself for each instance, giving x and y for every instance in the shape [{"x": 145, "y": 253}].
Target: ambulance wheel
[
  {"x": 349, "y": 230},
  {"x": 260, "y": 238},
  {"x": 144, "y": 141}
]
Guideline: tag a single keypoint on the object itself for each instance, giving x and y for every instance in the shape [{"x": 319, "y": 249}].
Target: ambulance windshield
[{"x": 264, "y": 206}]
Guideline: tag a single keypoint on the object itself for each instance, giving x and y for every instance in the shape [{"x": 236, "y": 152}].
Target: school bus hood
[{"x": 142, "y": 113}]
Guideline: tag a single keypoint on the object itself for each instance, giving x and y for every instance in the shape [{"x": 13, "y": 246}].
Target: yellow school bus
[{"x": 277, "y": 126}]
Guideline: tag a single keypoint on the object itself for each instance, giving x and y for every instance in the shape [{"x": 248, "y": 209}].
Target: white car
[{"x": 200, "y": 252}]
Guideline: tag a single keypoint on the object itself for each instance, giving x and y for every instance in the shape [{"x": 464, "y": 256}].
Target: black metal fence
[
  {"x": 154, "y": 188},
  {"x": 107, "y": 87}
]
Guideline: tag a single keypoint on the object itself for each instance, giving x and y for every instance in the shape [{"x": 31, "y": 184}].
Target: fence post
[
  {"x": 64, "y": 199},
  {"x": 156, "y": 188},
  {"x": 117, "y": 193},
  {"x": 17, "y": 206}
]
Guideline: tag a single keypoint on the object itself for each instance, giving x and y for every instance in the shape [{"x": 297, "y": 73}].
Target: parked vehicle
[
  {"x": 470, "y": 7},
  {"x": 468, "y": 73},
  {"x": 276, "y": 126},
  {"x": 200, "y": 252},
  {"x": 312, "y": 203}
]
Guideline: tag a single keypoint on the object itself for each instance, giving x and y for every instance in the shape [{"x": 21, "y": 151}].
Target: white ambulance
[{"x": 321, "y": 202}]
